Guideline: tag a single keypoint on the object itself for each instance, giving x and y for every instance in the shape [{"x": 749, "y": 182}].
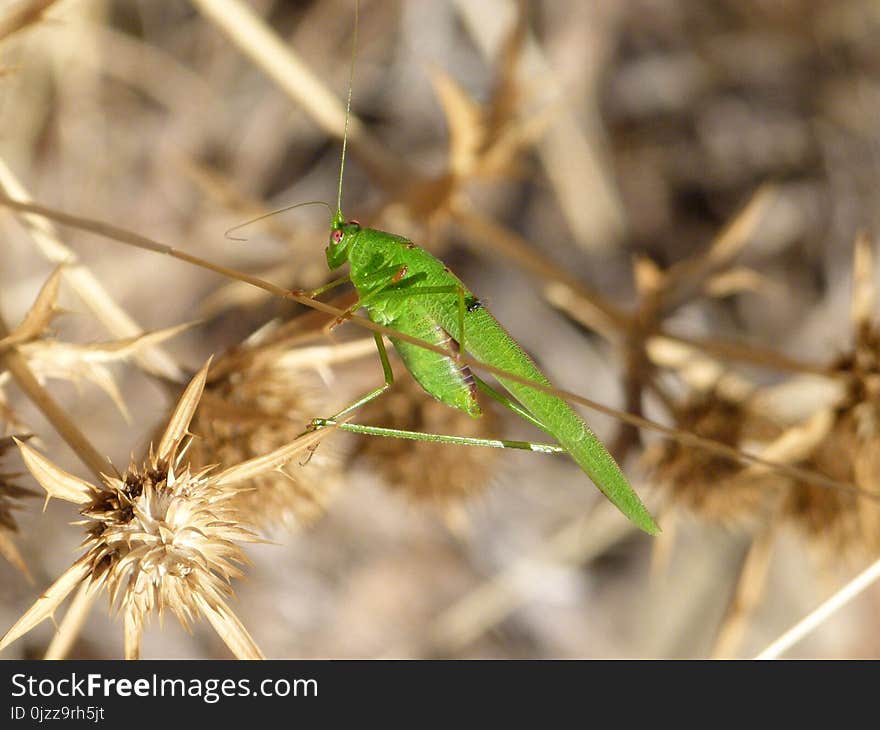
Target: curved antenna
[
  {"x": 271, "y": 213},
  {"x": 338, "y": 217}
]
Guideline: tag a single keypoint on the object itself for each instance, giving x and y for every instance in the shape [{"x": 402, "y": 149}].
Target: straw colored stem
[
  {"x": 18, "y": 367},
  {"x": 253, "y": 37},
  {"x": 84, "y": 283},
  {"x": 684, "y": 437},
  {"x": 72, "y": 623},
  {"x": 820, "y": 615},
  {"x": 747, "y": 595},
  {"x": 23, "y": 15}
]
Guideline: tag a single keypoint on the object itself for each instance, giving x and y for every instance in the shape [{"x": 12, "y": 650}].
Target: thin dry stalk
[
  {"x": 22, "y": 15},
  {"x": 746, "y": 597},
  {"x": 822, "y": 613},
  {"x": 18, "y": 367},
  {"x": 70, "y": 626},
  {"x": 253, "y": 37},
  {"x": 83, "y": 282},
  {"x": 133, "y": 239}
]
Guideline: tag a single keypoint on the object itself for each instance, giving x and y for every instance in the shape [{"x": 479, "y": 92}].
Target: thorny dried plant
[
  {"x": 690, "y": 132},
  {"x": 706, "y": 484},
  {"x": 254, "y": 405},
  {"x": 163, "y": 536},
  {"x": 52, "y": 359},
  {"x": 849, "y": 446},
  {"x": 10, "y": 495}
]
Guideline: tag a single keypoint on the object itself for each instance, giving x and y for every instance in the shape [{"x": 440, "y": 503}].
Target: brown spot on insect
[
  {"x": 446, "y": 269},
  {"x": 467, "y": 374},
  {"x": 401, "y": 272},
  {"x": 410, "y": 244}
]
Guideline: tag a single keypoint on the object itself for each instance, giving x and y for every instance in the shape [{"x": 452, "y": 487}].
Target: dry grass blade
[
  {"x": 684, "y": 280},
  {"x": 57, "y": 482},
  {"x": 132, "y": 630},
  {"x": 260, "y": 43},
  {"x": 22, "y": 15},
  {"x": 231, "y": 630},
  {"x": 573, "y": 156},
  {"x": 864, "y": 290},
  {"x": 70, "y": 626},
  {"x": 271, "y": 461},
  {"x": 10, "y": 552},
  {"x": 820, "y": 615},
  {"x": 50, "y": 600},
  {"x": 56, "y": 415},
  {"x": 52, "y": 359},
  {"x": 39, "y": 316},
  {"x": 179, "y": 422},
  {"x": 83, "y": 282},
  {"x": 749, "y": 590}
]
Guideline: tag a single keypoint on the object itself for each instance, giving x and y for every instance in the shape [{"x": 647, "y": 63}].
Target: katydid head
[{"x": 342, "y": 235}]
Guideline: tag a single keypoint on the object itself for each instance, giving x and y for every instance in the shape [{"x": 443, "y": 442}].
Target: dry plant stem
[
  {"x": 751, "y": 355},
  {"x": 746, "y": 596},
  {"x": 572, "y": 152},
  {"x": 261, "y": 44},
  {"x": 685, "y": 280},
  {"x": 84, "y": 283},
  {"x": 73, "y": 621},
  {"x": 22, "y": 15},
  {"x": 494, "y": 600},
  {"x": 820, "y": 615},
  {"x": 13, "y": 361},
  {"x": 684, "y": 437},
  {"x": 663, "y": 545}
]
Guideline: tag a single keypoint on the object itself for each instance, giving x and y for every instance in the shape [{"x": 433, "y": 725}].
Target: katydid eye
[{"x": 336, "y": 236}]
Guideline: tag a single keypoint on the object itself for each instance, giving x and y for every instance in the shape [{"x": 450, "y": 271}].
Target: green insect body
[{"x": 404, "y": 287}]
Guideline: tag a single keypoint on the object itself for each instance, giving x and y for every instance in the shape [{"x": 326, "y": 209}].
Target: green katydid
[{"x": 405, "y": 288}]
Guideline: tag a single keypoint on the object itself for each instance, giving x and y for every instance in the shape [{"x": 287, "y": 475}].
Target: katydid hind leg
[{"x": 388, "y": 374}]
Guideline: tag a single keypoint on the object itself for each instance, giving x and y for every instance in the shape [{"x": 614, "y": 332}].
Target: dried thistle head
[
  {"x": 839, "y": 522},
  {"x": 849, "y": 450},
  {"x": 455, "y": 473},
  {"x": 710, "y": 485},
  {"x": 162, "y": 536},
  {"x": 252, "y": 407},
  {"x": 10, "y": 494}
]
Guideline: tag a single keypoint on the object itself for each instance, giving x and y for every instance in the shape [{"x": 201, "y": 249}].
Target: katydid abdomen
[{"x": 404, "y": 287}]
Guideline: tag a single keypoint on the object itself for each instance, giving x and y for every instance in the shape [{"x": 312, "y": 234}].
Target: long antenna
[
  {"x": 354, "y": 41},
  {"x": 270, "y": 214}
]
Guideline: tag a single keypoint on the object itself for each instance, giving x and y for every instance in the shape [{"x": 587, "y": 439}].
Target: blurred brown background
[{"x": 646, "y": 126}]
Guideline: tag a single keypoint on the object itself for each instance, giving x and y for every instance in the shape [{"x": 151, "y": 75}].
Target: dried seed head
[
  {"x": 254, "y": 409},
  {"x": 710, "y": 485},
  {"x": 435, "y": 473},
  {"x": 161, "y": 536},
  {"x": 842, "y": 522}
]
